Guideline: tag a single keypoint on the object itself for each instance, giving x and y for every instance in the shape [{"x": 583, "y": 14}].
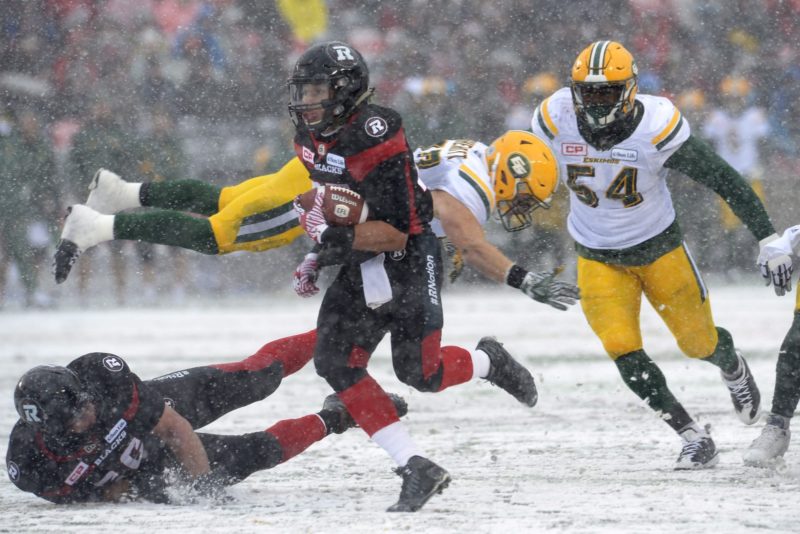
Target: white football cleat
[
  {"x": 109, "y": 193},
  {"x": 83, "y": 229},
  {"x": 768, "y": 448}
]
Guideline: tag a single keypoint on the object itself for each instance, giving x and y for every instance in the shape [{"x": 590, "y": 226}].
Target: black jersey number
[
  {"x": 583, "y": 193},
  {"x": 622, "y": 188}
]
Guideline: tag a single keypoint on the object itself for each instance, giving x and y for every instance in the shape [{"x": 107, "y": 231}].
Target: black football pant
[
  {"x": 348, "y": 330},
  {"x": 204, "y": 394}
]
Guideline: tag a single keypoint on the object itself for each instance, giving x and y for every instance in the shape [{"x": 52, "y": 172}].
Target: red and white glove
[
  {"x": 313, "y": 221},
  {"x": 304, "y": 282}
]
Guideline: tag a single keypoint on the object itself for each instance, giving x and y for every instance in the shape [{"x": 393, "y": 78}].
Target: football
[{"x": 340, "y": 205}]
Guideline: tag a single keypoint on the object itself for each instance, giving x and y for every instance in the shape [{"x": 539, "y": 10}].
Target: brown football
[
  {"x": 343, "y": 207},
  {"x": 340, "y": 205}
]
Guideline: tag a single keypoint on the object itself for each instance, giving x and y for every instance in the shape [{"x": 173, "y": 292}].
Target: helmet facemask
[
  {"x": 517, "y": 214},
  {"x": 320, "y": 105},
  {"x": 599, "y": 104}
]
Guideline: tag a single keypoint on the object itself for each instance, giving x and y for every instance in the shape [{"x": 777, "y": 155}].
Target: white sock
[
  {"x": 480, "y": 364},
  {"x": 396, "y": 441},
  {"x": 104, "y": 228},
  {"x": 691, "y": 432},
  {"x": 130, "y": 195}
]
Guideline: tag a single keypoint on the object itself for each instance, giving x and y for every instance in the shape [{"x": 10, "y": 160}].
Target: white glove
[
  {"x": 304, "y": 282},
  {"x": 775, "y": 262},
  {"x": 542, "y": 288},
  {"x": 313, "y": 220}
]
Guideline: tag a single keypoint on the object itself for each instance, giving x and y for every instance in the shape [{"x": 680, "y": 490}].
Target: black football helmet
[
  {"x": 48, "y": 396},
  {"x": 340, "y": 67}
]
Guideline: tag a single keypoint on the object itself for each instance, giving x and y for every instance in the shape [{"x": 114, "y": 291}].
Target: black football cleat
[
  {"x": 422, "y": 479},
  {"x": 338, "y": 419},
  {"x": 507, "y": 373},
  {"x": 745, "y": 395},
  {"x": 698, "y": 452},
  {"x": 67, "y": 253}
]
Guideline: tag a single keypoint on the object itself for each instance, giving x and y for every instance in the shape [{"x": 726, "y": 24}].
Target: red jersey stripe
[{"x": 361, "y": 164}]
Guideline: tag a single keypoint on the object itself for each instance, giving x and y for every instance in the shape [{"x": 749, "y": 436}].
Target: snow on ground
[{"x": 588, "y": 458}]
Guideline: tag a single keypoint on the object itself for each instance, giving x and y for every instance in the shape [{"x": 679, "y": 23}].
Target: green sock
[
  {"x": 643, "y": 377},
  {"x": 724, "y": 355},
  {"x": 181, "y": 195},
  {"x": 787, "y": 372},
  {"x": 167, "y": 228}
]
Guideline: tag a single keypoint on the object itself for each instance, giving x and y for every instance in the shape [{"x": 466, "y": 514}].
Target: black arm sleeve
[{"x": 697, "y": 160}]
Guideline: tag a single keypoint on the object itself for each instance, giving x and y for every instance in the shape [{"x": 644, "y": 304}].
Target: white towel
[{"x": 377, "y": 289}]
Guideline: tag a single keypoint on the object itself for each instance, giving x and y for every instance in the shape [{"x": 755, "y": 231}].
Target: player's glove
[
  {"x": 542, "y": 287},
  {"x": 304, "y": 282},
  {"x": 453, "y": 259},
  {"x": 775, "y": 262},
  {"x": 312, "y": 220}
]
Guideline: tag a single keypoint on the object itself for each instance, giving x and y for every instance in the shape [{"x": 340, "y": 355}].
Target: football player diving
[
  {"x": 258, "y": 214},
  {"x": 615, "y": 148}
]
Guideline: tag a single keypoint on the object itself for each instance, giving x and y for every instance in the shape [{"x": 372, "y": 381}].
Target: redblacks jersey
[
  {"x": 120, "y": 443},
  {"x": 371, "y": 156}
]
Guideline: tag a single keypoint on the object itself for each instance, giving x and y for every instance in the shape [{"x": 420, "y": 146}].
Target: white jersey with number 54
[
  {"x": 618, "y": 197},
  {"x": 458, "y": 167}
]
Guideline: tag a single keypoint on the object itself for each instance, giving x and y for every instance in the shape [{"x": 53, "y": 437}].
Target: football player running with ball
[
  {"x": 391, "y": 272},
  {"x": 615, "y": 148}
]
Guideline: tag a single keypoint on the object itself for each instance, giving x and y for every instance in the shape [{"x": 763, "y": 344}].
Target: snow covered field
[{"x": 588, "y": 458}]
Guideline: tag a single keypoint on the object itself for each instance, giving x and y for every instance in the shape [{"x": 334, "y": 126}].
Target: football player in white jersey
[
  {"x": 470, "y": 182},
  {"x": 614, "y": 149},
  {"x": 775, "y": 261}
]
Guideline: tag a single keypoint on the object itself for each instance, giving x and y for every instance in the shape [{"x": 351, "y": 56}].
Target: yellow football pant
[
  {"x": 797, "y": 298},
  {"x": 611, "y": 298},
  {"x": 257, "y": 214}
]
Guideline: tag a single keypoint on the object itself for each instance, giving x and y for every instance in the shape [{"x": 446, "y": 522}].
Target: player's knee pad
[
  {"x": 339, "y": 377},
  {"x": 412, "y": 374},
  {"x": 701, "y": 344},
  {"x": 620, "y": 343}
]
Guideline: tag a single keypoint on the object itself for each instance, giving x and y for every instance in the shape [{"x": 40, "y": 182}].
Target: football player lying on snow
[{"x": 94, "y": 431}]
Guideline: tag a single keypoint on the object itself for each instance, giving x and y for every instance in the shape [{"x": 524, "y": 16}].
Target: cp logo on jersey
[
  {"x": 573, "y": 149},
  {"x": 112, "y": 363},
  {"x": 308, "y": 155},
  {"x": 397, "y": 255},
  {"x": 376, "y": 127}
]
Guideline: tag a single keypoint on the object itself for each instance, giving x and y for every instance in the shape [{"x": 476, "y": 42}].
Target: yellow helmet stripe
[
  {"x": 597, "y": 57},
  {"x": 545, "y": 121},
  {"x": 671, "y": 128}
]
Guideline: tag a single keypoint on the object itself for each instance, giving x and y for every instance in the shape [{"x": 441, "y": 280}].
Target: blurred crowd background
[{"x": 172, "y": 89}]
